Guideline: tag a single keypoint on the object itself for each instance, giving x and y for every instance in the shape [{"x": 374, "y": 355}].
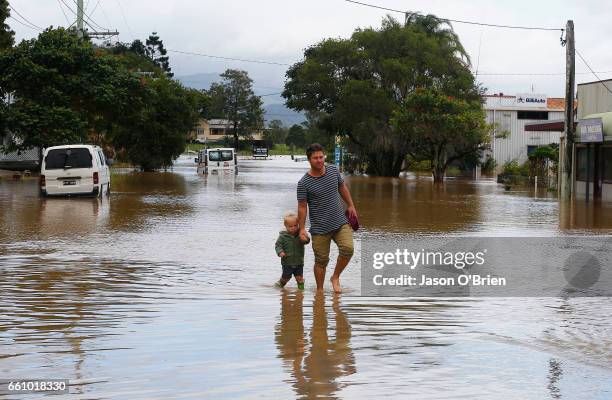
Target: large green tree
[
  {"x": 233, "y": 99},
  {"x": 7, "y": 36},
  {"x": 441, "y": 129},
  {"x": 134, "y": 58},
  {"x": 276, "y": 132},
  {"x": 61, "y": 89},
  {"x": 296, "y": 136},
  {"x": 357, "y": 85},
  {"x": 156, "y": 135},
  {"x": 156, "y": 52}
]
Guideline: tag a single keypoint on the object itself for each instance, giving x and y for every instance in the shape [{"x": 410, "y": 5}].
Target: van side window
[{"x": 102, "y": 159}]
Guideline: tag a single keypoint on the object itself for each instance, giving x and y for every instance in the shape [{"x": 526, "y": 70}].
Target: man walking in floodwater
[{"x": 318, "y": 193}]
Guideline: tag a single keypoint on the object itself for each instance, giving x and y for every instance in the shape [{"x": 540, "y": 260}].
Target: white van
[
  {"x": 74, "y": 170},
  {"x": 214, "y": 161}
]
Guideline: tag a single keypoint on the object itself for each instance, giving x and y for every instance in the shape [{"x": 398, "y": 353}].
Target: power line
[
  {"x": 125, "y": 20},
  {"x": 90, "y": 19},
  {"x": 95, "y": 8},
  {"x": 539, "y": 74},
  {"x": 24, "y": 24},
  {"x": 228, "y": 58},
  {"x": 479, "y": 73},
  {"x": 63, "y": 12},
  {"x": 24, "y": 18},
  {"x": 270, "y": 94},
  {"x": 594, "y": 73},
  {"x": 461, "y": 21},
  {"x": 84, "y": 19}
]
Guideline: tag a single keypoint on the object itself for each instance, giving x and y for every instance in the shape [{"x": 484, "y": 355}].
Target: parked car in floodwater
[
  {"x": 74, "y": 170},
  {"x": 214, "y": 161}
]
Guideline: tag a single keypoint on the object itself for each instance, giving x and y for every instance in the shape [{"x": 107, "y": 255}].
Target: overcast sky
[{"x": 278, "y": 31}]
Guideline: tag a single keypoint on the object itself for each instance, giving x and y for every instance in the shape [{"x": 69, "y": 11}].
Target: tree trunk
[
  {"x": 385, "y": 163},
  {"x": 438, "y": 164},
  {"x": 438, "y": 174}
]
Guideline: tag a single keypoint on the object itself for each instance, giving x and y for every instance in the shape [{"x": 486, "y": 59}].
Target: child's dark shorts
[{"x": 295, "y": 270}]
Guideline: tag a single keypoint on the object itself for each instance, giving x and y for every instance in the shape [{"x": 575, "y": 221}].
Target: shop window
[
  {"x": 581, "y": 164},
  {"x": 538, "y": 115}
]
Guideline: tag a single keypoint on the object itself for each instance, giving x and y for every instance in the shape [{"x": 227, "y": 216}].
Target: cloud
[{"x": 279, "y": 31}]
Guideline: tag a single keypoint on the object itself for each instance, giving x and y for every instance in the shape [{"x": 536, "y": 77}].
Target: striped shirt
[{"x": 323, "y": 197}]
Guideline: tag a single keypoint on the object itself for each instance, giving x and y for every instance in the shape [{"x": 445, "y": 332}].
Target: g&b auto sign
[{"x": 531, "y": 100}]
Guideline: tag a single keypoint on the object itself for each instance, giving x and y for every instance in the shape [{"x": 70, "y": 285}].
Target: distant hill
[
  {"x": 199, "y": 81},
  {"x": 280, "y": 112},
  {"x": 272, "y": 106}
]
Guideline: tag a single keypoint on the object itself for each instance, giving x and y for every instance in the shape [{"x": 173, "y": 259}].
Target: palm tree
[{"x": 439, "y": 28}]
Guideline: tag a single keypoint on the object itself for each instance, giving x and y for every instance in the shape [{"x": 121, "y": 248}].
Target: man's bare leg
[
  {"x": 319, "y": 273},
  {"x": 341, "y": 263}
]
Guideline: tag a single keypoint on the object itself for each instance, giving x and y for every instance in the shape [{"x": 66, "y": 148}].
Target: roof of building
[
  {"x": 590, "y": 83},
  {"x": 555, "y": 103},
  {"x": 553, "y": 125}
]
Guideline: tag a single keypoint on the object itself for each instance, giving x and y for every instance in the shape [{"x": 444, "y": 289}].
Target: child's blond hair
[{"x": 289, "y": 215}]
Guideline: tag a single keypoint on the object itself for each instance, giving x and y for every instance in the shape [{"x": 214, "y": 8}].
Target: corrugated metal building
[{"x": 509, "y": 114}]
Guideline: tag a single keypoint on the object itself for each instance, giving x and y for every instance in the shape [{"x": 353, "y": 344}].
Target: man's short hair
[{"x": 313, "y": 148}]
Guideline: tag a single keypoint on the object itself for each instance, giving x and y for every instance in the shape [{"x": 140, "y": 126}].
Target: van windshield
[
  {"x": 221, "y": 155},
  {"x": 79, "y": 157}
]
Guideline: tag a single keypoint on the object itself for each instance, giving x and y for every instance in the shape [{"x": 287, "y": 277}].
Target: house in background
[
  {"x": 509, "y": 115},
  {"x": 214, "y": 131}
]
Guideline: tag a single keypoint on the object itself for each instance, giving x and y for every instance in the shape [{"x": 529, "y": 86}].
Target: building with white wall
[{"x": 509, "y": 114}]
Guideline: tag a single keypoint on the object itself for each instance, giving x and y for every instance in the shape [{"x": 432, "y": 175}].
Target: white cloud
[{"x": 278, "y": 30}]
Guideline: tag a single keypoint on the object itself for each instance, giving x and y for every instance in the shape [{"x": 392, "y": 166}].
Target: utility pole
[
  {"x": 80, "y": 18},
  {"x": 570, "y": 79},
  {"x": 81, "y": 27}
]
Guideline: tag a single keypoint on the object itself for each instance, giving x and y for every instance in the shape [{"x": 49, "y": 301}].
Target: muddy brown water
[{"x": 164, "y": 290}]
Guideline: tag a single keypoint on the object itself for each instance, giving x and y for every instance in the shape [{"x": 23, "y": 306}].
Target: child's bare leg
[{"x": 282, "y": 281}]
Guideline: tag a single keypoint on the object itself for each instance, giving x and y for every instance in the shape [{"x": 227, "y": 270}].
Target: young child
[{"x": 290, "y": 249}]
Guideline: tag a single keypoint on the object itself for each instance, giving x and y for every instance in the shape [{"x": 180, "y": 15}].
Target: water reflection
[
  {"x": 54, "y": 310},
  {"x": 416, "y": 205},
  {"x": 170, "y": 275},
  {"x": 72, "y": 216},
  {"x": 318, "y": 366},
  {"x": 580, "y": 215},
  {"x": 554, "y": 375}
]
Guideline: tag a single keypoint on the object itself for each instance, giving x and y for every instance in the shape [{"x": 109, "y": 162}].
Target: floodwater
[{"x": 165, "y": 290}]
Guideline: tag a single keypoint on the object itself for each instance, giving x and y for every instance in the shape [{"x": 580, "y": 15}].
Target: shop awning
[
  {"x": 558, "y": 125},
  {"x": 554, "y": 125}
]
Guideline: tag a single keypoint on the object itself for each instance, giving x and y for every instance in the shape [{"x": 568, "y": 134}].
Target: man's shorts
[
  {"x": 295, "y": 270},
  {"x": 343, "y": 237}
]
